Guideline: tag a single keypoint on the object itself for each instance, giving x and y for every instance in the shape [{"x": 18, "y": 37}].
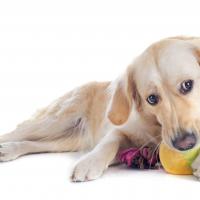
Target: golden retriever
[{"x": 156, "y": 98}]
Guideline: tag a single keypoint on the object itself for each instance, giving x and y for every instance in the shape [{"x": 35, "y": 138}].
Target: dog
[{"x": 157, "y": 98}]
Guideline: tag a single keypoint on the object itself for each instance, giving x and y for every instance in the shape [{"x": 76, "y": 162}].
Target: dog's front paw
[
  {"x": 196, "y": 167},
  {"x": 89, "y": 168},
  {"x": 197, "y": 173},
  {"x": 8, "y": 151}
]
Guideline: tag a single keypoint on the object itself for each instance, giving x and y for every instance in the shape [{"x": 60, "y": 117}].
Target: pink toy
[{"x": 140, "y": 158}]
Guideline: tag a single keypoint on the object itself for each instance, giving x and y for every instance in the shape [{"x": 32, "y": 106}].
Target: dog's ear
[
  {"x": 195, "y": 42},
  {"x": 197, "y": 52},
  {"x": 122, "y": 98}
]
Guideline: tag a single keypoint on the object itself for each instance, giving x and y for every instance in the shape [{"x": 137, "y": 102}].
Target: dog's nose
[{"x": 184, "y": 141}]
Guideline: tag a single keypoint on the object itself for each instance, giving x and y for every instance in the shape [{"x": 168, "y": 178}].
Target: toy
[
  {"x": 175, "y": 162},
  {"x": 172, "y": 161},
  {"x": 140, "y": 158}
]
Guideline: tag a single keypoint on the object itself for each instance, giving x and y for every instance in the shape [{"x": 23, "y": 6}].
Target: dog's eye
[
  {"x": 153, "y": 99},
  {"x": 186, "y": 86}
]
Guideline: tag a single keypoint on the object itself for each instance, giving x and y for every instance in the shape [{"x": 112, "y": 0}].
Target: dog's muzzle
[{"x": 184, "y": 141}]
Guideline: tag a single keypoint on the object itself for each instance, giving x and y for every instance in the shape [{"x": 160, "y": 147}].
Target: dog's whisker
[
  {"x": 157, "y": 157},
  {"x": 154, "y": 151},
  {"x": 145, "y": 144}
]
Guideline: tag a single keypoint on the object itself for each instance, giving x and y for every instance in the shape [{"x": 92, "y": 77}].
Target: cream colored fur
[{"x": 106, "y": 117}]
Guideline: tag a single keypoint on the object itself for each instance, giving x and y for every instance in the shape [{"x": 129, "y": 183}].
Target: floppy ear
[
  {"x": 194, "y": 41},
  {"x": 122, "y": 99},
  {"x": 197, "y": 51}
]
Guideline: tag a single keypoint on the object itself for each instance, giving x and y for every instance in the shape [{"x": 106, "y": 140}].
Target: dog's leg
[
  {"x": 92, "y": 165},
  {"x": 12, "y": 150},
  {"x": 49, "y": 127},
  {"x": 53, "y": 135},
  {"x": 60, "y": 119}
]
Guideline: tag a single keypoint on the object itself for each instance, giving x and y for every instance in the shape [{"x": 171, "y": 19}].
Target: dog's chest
[{"x": 140, "y": 132}]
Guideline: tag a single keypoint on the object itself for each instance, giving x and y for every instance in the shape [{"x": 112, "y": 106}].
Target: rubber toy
[
  {"x": 177, "y": 162},
  {"x": 173, "y": 162}
]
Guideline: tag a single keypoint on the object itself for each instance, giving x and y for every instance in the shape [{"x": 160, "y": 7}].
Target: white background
[{"x": 48, "y": 47}]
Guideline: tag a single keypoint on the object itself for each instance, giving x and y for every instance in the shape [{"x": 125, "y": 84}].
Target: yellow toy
[{"x": 175, "y": 162}]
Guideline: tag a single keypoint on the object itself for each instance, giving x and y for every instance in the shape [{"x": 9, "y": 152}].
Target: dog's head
[{"x": 164, "y": 83}]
